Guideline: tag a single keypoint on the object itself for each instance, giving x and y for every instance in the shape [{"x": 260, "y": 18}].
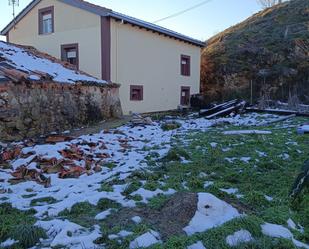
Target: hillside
[{"x": 269, "y": 49}]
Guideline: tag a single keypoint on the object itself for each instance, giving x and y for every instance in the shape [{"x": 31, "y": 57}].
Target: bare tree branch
[{"x": 268, "y": 3}]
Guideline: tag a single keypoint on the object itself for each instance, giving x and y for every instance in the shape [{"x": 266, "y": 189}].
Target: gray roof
[{"x": 101, "y": 11}]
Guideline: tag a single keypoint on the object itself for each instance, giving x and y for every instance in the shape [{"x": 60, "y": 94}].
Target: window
[
  {"x": 185, "y": 65},
  {"x": 136, "y": 93},
  {"x": 69, "y": 53},
  {"x": 46, "y": 20}
]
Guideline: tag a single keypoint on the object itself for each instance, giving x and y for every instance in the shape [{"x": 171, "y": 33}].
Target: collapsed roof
[{"x": 20, "y": 63}]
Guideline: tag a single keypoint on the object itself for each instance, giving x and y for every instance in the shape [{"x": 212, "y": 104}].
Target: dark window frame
[
  {"x": 64, "y": 47},
  {"x": 185, "y": 68},
  {"x": 137, "y": 87},
  {"x": 43, "y": 12}
]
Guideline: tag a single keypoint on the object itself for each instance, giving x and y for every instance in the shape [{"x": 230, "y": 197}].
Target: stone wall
[{"x": 37, "y": 108}]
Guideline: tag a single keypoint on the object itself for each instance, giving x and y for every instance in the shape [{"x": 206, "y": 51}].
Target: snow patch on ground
[
  {"x": 197, "y": 245},
  {"x": 292, "y": 225},
  {"x": 279, "y": 231},
  {"x": 211, "y": 212},
  {"x": 245, "y": 159},
  {"x": 241, "y": 236},
  {"x": 66, "y": 233},
  {"x": 213, "y": 145},
  {"x": 208, "y": 184},
  {"x": 268, "y": 198},
  {"x": 121, "y": 234},
  {"x": 8, "y": 243},
  {"x": 229, "y": 190},
  {"x": 145, "y": 240},
  {"x": 103, "y": 215},
  {"x": 136, "y": 219},
  {"x": 261, "y": 153},
  {"x": 247, "y": 132}
]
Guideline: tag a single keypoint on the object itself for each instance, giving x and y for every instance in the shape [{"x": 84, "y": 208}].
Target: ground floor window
[
  {"x": 136, "y": 93},
  {"x": 69, "y": 53},
  {"x": 185, "y": 95}
]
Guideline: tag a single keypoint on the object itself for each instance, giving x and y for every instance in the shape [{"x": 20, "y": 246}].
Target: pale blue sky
[{"x": 200, "y": 23}]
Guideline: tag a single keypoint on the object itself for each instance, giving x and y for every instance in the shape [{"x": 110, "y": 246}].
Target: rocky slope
[{"x": 269, "y": 49}]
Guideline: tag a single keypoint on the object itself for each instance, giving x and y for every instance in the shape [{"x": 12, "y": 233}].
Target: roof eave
[
  {"x": 156, "y": 28},
  {"x": 98, "y": 10}
]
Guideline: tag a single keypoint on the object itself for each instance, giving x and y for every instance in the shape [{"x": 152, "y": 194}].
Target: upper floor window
[
  {"x": 185, "y": 65},
  {"x": 46, "y": 20},
  {"x": 69, "y": 53}
]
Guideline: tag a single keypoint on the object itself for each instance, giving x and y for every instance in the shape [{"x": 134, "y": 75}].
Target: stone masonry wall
[{"x": 37, "y": 108}]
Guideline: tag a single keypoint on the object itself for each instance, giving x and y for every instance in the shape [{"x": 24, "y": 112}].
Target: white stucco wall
[
  {"x": 141, "y": 57},
  {"x": 72, "y": 25}
]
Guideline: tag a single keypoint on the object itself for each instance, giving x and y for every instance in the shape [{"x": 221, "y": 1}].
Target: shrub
[
  {"x": 105, "y": 203},
  {"x": 176, "y": 154},
  {"x": 170, "y": 126}
]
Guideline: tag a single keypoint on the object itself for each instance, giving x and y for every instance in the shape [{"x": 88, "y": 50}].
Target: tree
[{"x": 268, "y": 3}]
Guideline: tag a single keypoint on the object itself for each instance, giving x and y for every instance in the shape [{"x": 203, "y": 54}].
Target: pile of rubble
[
  {"x": 138, "y": 120},
  {"x": 237, "y": 106},
  {"x": 231, "y": 107}
]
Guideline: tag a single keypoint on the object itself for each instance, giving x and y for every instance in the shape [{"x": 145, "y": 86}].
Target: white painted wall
[{"x": 141, "y": 57}]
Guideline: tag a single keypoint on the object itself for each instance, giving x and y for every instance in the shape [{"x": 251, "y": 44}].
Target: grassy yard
[{"x": 253, "y": 173}]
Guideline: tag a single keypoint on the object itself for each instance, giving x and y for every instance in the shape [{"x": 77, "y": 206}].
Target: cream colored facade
[
  {"x": 138, "y": 56},
  {"x": 72, "y": 25}
]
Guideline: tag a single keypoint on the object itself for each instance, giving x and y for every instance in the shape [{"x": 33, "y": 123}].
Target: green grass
[
  {"x": 168, "y": 126},
  {"x": 105, "y": 204},
  {"x": 84, "y": 213},
  {"x": 42, "y": 201},
  {"x": 19, "y": 225},
  {"x": 270, "y": 175},
  {"x": 158, "y": 201},
  {"x": 176, "y": 154}
]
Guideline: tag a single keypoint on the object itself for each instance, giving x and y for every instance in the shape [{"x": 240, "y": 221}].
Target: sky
[{"x": 200, "y": 23}]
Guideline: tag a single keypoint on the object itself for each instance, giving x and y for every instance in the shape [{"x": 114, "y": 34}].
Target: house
[
  {"x": 158, "y": 69},
  {"x": 40, "y": 94}
]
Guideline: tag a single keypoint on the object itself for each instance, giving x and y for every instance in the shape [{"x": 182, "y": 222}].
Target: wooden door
[{"x": 185, "y": 95}]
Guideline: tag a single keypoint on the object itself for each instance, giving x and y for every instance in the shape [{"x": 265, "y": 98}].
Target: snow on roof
[{"x": 20, "y": 62}]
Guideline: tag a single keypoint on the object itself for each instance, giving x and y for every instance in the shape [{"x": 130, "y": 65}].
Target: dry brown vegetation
[{"x": 271, "y": 49}]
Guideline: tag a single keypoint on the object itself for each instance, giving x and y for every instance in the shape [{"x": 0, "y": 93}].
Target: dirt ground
[
  {"x": 103, "y": 125},
  {"x": 169, "y": 220}
]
